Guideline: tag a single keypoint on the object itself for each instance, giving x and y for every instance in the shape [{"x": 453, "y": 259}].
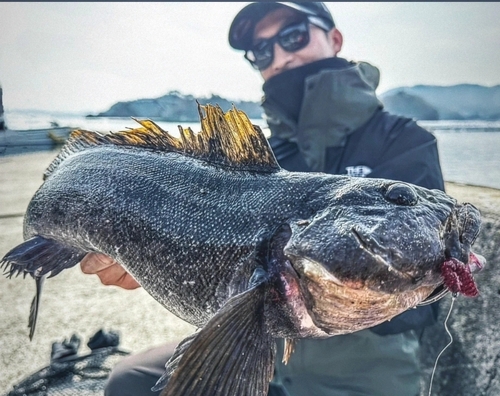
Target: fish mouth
[
  {"x": 461, "y": 231},
  {"x": 390, "y": 270},
  {"x": 447, "y": 263},
  {"x": 457, "y": 278},
  {"x": 452, "y": 275},
  {"x": 440, "y": 292}
]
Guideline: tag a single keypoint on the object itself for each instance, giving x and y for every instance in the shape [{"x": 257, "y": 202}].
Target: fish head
[{"x": 377, "y": 249}]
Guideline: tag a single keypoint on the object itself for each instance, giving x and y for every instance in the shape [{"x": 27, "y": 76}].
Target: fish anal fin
[
  {"x": 232, "y": 355},
  {"x": 40, "y": 257}
]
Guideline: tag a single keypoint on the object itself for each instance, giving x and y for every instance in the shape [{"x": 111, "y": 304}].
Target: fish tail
[{"x": 41, "y": 258}]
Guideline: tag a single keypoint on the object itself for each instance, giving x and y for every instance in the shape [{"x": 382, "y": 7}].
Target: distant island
[
  {"x": 176, "y": 107},
  {"x": 433, "y": 102},
  {"x": 421, "y": 102}
]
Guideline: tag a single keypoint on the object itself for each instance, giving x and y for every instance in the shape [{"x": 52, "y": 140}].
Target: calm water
[{"x": 469, "y": 150}]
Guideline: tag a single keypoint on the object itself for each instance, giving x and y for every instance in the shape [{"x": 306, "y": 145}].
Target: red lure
[{"x": 458, "y": 277}]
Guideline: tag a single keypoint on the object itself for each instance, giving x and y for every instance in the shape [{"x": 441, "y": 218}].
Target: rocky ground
[
  {"x": 76, "y": 303},
  {"x": 471, "y": 365}
]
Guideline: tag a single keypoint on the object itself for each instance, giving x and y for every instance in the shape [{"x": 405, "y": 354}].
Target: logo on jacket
[{"x": 358, "y": 171}]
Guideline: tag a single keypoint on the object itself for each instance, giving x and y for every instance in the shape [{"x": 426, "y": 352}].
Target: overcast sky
[{"x": 84, "y": 57}]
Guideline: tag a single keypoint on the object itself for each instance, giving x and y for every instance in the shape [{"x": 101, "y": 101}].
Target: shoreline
[{"x": 72, "y": 303}]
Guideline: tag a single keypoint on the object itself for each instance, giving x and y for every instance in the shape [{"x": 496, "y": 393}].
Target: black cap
[{"x": 241, "y": 30}]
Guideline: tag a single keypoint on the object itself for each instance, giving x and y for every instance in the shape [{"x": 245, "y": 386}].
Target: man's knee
[
  {"x": 135, "y": 375},
  {"x": 124, "y": 380}
]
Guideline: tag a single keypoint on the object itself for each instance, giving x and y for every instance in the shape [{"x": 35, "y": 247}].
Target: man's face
[{"x": 321, "y": 45}]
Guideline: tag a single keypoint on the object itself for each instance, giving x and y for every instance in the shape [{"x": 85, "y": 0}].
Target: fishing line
[{"x": 453, "y": 298}]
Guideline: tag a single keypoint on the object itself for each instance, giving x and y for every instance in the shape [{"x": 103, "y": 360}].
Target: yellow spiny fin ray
[{"x": 227, "y": 139}]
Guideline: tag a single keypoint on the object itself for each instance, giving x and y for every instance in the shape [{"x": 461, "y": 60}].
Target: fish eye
[{"x": 401, "y": 194}]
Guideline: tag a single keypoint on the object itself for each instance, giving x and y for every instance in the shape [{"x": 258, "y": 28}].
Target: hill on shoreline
[
  {"x": 456, "y": 102},
  {"x": 421, "y": 102},
  {"x": 176, "y": 107}
]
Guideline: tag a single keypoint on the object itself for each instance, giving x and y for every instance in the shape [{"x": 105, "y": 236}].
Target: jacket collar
[{"x": 318, "y": 105}]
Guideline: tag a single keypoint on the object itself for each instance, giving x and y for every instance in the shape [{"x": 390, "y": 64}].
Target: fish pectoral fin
[
  {"x": 232, "y": 355},
  {"x": 40, "y": 257},
  {"x": 173, "y": 362}
]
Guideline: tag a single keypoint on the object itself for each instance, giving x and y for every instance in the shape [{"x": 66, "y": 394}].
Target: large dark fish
[{"x": 214, "y": 230}]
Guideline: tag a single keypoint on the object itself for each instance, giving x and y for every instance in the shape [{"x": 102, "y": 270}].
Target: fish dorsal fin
[{"x": 228, "y": 139}]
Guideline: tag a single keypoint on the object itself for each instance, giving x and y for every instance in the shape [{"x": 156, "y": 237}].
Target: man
[{"x": 324, "y": 116}]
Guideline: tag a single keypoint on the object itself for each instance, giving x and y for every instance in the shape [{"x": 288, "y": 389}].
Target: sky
[{"x": 84, "y": 56}]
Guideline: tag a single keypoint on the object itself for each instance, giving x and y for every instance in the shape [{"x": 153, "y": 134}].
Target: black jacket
[
  {"x": 391, "y": 147},
  {"x": 364, "y": 140}
]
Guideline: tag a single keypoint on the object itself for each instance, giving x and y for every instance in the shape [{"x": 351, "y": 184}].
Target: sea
[{"x": 469, "y": 150}]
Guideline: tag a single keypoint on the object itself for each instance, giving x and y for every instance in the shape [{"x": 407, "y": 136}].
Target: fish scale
[{"x": 218, "y": 233}]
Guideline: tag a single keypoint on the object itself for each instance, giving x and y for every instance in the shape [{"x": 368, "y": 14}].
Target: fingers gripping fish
[{"x": 225, "y": 239}]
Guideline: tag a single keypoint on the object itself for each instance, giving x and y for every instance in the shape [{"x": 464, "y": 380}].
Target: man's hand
[{"x": 108, "y": 271}]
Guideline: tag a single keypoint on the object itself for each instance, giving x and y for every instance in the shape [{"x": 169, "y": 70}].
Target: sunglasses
[{"x": 291, "y": 38}]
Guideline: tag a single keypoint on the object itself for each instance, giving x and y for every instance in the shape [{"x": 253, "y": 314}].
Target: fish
[{"x": 216, "y": 231}]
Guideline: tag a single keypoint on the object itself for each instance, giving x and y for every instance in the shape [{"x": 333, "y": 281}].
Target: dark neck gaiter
[{"x": 286, "y": 90}]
